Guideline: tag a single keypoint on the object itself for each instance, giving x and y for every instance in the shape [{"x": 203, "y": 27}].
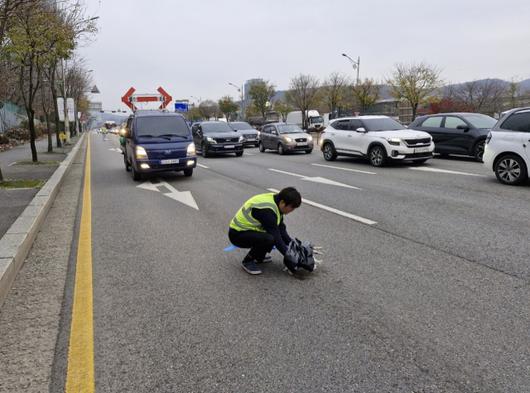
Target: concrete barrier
[{"x": 17, "y": 241}]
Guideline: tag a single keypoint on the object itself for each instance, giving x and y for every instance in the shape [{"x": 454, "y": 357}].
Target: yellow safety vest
[{"x": 243, "y": 220}]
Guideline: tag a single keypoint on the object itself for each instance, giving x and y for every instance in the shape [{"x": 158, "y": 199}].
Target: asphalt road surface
[{"x": 424, "y": 285}]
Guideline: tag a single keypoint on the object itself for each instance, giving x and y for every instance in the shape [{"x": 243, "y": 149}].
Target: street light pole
[
  {"x": 241, "y": 104},
  {"x": 355, "y": 64}
]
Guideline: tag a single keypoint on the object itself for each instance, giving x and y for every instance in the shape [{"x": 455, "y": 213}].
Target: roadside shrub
[
  {"x": 19, "y": 134},
  {"x": 4, "y": 140}
]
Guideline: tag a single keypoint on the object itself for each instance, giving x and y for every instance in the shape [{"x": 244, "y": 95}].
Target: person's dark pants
[{"x": 260, "y": 243}]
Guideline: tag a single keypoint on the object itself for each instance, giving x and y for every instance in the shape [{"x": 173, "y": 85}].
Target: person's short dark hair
[{"x": 290, "y": 196}]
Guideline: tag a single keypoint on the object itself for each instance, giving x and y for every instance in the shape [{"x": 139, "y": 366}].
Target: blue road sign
[{"x": 181, "y": 106}]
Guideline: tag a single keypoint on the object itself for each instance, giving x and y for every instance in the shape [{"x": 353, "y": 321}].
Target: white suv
[
  {"x": 379, "y": 138},
  {"x": 507, "y": 150}
]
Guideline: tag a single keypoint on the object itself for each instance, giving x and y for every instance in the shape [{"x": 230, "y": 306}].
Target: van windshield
[
  {"x": 156, "y": 126},
  {"x": 316, "y": 119}
]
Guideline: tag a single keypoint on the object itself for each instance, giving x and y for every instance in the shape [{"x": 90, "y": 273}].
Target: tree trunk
[
  {"x": 1, "y": 175},
  {"x": 414, "y": 111},
  {"x": 31, "y": 123},
  {"x": 50, "y": 140},
  {"x": 55, "y": 107}
]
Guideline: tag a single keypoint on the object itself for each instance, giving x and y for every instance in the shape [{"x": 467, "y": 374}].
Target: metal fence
[{"x": 11, "y": 116}]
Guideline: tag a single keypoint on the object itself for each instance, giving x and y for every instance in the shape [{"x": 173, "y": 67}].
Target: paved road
[{"x": 431, "y": 294}]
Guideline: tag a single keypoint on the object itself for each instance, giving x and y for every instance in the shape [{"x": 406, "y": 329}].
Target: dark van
[{"x": 157, "y": 141}]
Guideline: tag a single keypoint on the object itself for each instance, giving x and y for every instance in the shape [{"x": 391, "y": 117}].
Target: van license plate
[
  {"x": 229, "y": 146},
  {"x": 422, "y": 150},
  {"x": 165, "y": 162}
]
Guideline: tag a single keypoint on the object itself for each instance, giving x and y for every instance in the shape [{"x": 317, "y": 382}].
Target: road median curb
[{"x": 18, "y": 240}]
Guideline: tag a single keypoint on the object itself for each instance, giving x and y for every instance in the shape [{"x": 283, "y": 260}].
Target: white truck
[{"x": 315, "y": 122}]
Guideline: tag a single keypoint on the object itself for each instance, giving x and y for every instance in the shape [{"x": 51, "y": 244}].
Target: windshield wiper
[{"x": 165, "y": 135}]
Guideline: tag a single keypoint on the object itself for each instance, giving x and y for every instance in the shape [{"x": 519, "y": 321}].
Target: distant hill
[{"x": 525, "y": 86}]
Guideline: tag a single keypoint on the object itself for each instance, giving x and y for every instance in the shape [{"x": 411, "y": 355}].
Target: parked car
[
  {"x": 157, "y": 141},
  {"x": 456, "y": 133},
  {"x": 507, "y": 150},
  {"x": 284, "y": 138},
  {"x": 250, "y": 134},
  {"x": 315, "y": 122},
  {"x": 217, "y": 137},
  {"x": 378, "y": 138}
]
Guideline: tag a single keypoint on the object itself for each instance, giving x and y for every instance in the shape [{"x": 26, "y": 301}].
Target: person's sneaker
[
  {"x": 251, "y": 267},
  {"x": 267, "y": 259}
]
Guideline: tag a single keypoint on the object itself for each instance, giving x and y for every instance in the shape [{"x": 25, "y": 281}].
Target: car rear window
[
  {"x": 161, "y": 125},
  {"x": 517, "y": 122}
]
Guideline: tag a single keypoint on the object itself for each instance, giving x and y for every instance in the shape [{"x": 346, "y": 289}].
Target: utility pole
[{"x": 241, "y": 97}]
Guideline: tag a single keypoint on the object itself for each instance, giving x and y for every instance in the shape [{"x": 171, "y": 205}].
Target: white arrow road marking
[
  {"x": 184, "y": 197},
  {"x": 345, "y": 169},
  {"x": 335, "y": 211},
  {"x": 115, "y": 149},
  {"x": 446, "y": 171},
  {"x": 203, "y": 166},
  {"x": 316, "y": 179}
]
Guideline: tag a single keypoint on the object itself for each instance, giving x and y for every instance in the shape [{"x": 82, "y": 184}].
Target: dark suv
[
  {"x": 157, "y": 141},
  {"x": 456, "y": 133},
  {"x": 216, "y": 137}
]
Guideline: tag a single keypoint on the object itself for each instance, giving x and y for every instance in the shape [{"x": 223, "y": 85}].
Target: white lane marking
[
  {"x": 115, "y": 149},
  {"x": 203, "y": 166},
  {"x": 316, "y": 179},
  {"x": 13, "y": 163},
  {"x": 345, "y": 169},
  {"x": 446, "y": 171},
  {"x": 184, "y": 197},
  {"x": 249, "y": 154},
  {"x": 335, "y": 211}
]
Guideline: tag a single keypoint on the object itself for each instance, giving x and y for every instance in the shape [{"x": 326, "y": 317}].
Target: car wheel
[
  {"x": 137, "y": 176},
  {"x": 204, "y": 150},
  {"x": 126, "y": 162},
  {"x": 478, "y": 150},
  {"x": 329, "y": 152},
  {"x": 511, "y": 170},
  {"x": 239, "y": 154},
  {"x": 281, "y": 150},
  {"x": 188, "y": 172},
  {"x": 377, "y": 155},
  {"x": 261, "y": 147}
]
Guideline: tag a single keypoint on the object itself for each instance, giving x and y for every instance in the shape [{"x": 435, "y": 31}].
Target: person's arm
[
  {"x": 267, "y": 218},
  {"x": 283, "y": 233}
]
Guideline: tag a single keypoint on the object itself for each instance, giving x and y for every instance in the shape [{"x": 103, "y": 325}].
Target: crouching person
[{"x": 259, "y": 225}]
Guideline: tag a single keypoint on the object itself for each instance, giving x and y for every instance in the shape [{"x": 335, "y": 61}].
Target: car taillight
[{"x": 488, "y": 138}]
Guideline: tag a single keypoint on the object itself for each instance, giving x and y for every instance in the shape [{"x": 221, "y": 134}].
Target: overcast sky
[{"x": 195, "y": 47}]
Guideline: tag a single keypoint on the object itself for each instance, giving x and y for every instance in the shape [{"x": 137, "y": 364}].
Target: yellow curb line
[{"x": 80, "y": 372}]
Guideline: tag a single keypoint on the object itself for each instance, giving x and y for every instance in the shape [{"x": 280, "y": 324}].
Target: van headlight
[
  {"x": 241, "y": 138},
  {"x": 191, "y": 149},
  {"x": 394, "y": 141},
  {"x": 211, "y": 140},
  {"x": 140, "y": 152}
]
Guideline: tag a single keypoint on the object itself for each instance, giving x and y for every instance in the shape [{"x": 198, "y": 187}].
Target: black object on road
[{"x": 299, "y": 255}]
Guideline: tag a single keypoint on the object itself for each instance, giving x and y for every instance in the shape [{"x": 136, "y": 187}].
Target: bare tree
[
  {"x": 303, "y": 94},
  {"x": 334, "y": 91},
  {"x": 514, "y": 91},
  {"x": 366, "y": 94},
  {"x": 208, "y": 109},
  {"x": 483, "y": 96},
  {"x": 414, "y": 83},
  {"x": 8, "y": 8}
]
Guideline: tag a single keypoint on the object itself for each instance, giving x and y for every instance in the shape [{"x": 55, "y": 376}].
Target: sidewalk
[{"x": 13, "y": 202}]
